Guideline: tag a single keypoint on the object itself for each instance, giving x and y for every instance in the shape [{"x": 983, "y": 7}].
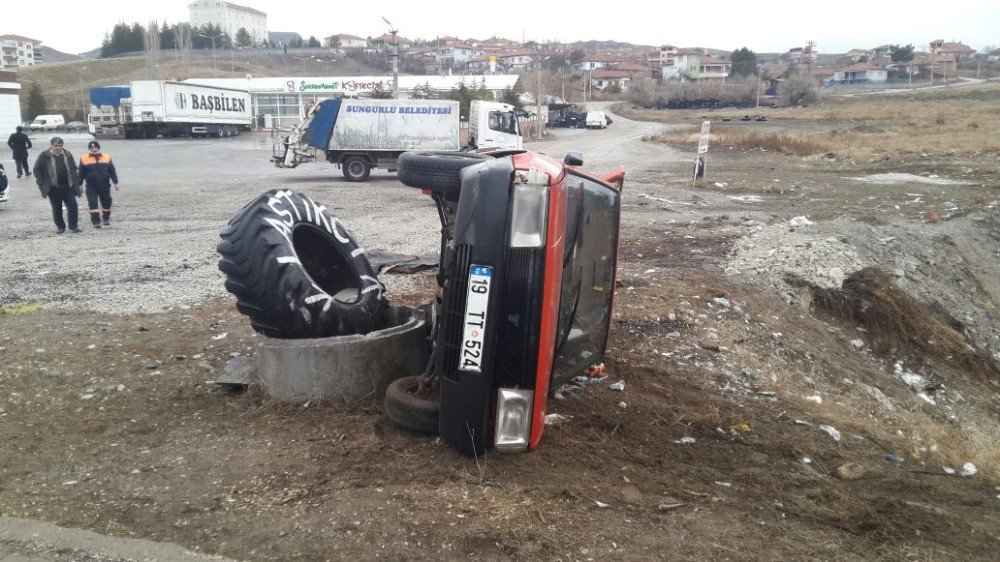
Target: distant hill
[
  {"x": 601, "y": 46},
  {"x": 52, "y": 55}
]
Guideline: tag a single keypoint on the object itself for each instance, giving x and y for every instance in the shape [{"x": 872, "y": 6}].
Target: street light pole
[
  {"x": 213, "y": 38},
  {"x": 395, "y": 59},
  {"x": 759, "y": 72}
]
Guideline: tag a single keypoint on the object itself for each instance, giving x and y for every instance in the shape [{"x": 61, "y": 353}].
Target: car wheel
[
  {"x": 437, "y": 171},
  {"x": 297, "y": 272},
  {"x": 412, "y": 406},
  {"x": 356, "y": 168}
]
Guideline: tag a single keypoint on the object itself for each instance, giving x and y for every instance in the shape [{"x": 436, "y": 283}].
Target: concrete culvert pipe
[{"x": 355, "y": 369}]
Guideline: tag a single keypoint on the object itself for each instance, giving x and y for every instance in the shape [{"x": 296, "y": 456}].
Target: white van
[
  {"x": 47, "y": 123},
  {"x": 596, "y": 120}
]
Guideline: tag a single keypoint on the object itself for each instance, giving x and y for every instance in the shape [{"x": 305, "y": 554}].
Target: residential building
[
  {"x": 993, "y": 56},
  {"x": 862, "y": 72},
  {"x": 857, "y": 55},
  {"x": 344, "y": 41},
  {"x": 515, "y": 60},
  {"x": 801, "y": 55},
  {"x": 595, "y": 61},
  {"x": 17, "y": 51},
  {"x": 498, "y": 43},
  {"x": 229, "y": 17},
  {"x": 386, "y": 42},
  {"x": 958, "y": 50},
  {"x": 456, "y": 55},
  {"x": 10, "y": 105},
  {"x": 608, "y": 79},
  {"x": 882, "y": 51}
]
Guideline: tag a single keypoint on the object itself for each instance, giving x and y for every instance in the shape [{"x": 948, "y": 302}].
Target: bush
[{"x": 798, "y": 88}]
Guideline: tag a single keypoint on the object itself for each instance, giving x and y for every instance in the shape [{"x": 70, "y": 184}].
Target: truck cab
[{"x": 493, "y": 125}]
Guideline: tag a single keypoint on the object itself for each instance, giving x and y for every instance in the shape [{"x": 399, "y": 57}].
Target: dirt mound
[{"x": 899, "y": 325}]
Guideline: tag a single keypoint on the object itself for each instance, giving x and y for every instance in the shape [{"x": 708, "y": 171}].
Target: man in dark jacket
[
  {"x": 97, "y": 171},
  {"x": 20, "y": 143},
  {"x": 57, "y": 179}
]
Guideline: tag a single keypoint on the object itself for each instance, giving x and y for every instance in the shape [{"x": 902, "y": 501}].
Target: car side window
[{"x": 589, "y": 261}]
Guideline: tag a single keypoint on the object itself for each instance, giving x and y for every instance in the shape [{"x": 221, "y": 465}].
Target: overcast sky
[{"x": 836, "y": 26}]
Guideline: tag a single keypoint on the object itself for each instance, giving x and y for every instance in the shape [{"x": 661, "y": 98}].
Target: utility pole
[
  {"x": 395, "y": 59},
  {"x": 760, "y": 70},
  {"x": 213, "y": 38},
  {"x": 538, "y": 101}
]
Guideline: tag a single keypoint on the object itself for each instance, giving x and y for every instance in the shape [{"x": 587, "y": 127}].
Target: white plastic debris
[
  {"x": 622, "y": 405},
  {"x": 220, "y": 336},
  {"x": 806, "y": 460},
  {"x": 799, "y": 221},
  {"x": 831, "y": 431},
  {"x": 618, "y": 386},
  {"x": 602, "y": 504},
  {"x": 686, "y": 441},
  {"x": 913, "y": 380},
  {"x": 721, "y": 184},
  {"x": 858, "y": 344},
  {"x": 969, "y": 469},
  {"x": 726, "y": 484},
  {"x": 815, "y": 399},
  {"x": 948, "y": 470},
  {"x": 554, "y": 419}
]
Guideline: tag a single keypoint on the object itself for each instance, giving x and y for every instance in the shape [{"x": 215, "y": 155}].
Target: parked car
[
  {"x": 597, "y": 120},
  {"x": 526, "y": 293},
  {"x": 76, "y": 126}
]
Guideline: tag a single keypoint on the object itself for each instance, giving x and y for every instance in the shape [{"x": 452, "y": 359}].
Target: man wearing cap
[
  {"x": 97, "y": 171},
  {"x": 57, "y": 179}
]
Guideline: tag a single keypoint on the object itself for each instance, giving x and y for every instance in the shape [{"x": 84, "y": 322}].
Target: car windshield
[{"x": 589, "y": 263}]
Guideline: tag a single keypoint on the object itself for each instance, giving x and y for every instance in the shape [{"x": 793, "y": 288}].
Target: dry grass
[
  {"x": 785, "y": 143},
  {"x": 959, "y": 119}
]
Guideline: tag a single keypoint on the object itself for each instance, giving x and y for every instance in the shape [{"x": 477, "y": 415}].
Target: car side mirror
[{"x": 573, "y": 159}]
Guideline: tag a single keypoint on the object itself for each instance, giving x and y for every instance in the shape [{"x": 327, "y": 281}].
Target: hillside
[{"x": 63, "y": 83}]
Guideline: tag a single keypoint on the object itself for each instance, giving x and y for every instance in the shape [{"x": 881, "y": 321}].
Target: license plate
[{"x": 470, "y": 357}]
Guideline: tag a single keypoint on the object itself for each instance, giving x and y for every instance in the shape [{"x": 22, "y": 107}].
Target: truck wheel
[
  {"x": 436, "y": 171},
  {"x": 412, "y": 407},
  {"x": 297, "y": 272},
  {"x": 356, "y": 168}
]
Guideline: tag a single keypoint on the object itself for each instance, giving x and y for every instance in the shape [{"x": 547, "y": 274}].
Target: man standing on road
[
  {"x": 97, "y": 171},
  {"x": 56, "y": 176},
  {"x": 20, "y": 143}
]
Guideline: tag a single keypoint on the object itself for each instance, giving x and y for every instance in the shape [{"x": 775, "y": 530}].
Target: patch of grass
[
  {"x": 21, "y": 308},
  {"x": 960, "y": 119},
  {"x": 785, "y": 143}
]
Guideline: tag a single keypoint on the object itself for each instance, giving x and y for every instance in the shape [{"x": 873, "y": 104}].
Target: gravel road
[{"x": 159, "y": 252}]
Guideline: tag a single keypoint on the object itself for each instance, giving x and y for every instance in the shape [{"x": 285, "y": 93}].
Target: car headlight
[
  {"x": 529, "y": 212},
  {"x": 513, "y": 422}
]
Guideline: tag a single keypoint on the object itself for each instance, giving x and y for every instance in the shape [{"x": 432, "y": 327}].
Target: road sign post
[{"x": 702, "y": 155}]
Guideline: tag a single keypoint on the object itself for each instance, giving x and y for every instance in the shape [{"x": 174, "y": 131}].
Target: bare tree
[
  {"x": 183, "y": 41},
  {"x": 152, "y": 40},
  {"x": 798, "y": 88}
]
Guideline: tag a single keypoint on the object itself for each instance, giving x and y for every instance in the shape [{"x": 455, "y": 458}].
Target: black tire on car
[
  {"x": 437, "y": 171},
  {"x": 405, "y": 407},
  {"x": 297, "y": 272},
  {"x": 356, "y": 168}
]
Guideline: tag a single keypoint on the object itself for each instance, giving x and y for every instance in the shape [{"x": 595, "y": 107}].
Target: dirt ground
[{"x": 713, "y": 450}]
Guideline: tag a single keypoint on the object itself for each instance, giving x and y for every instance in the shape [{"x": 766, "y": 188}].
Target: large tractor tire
[
  {"x": 439, "y": 172},
  {"x": 297, "y": 272}
]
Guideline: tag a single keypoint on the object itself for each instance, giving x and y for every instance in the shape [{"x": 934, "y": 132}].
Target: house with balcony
[
  {"x": 595, "y": 61},
  {"x": 17, "y": 51},
  {"x": 516, "y": 60},
  {"x": 801, "y": 55}
]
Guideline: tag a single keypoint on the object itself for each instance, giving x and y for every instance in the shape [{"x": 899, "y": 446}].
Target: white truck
[
  {"x": 359, "y": 135},
  {"x": 146, "y": 109}
]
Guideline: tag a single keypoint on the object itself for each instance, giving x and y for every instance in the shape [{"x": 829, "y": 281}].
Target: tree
[
  {"x": 511, "y": 96},
  {"x": 243, "y": 38},
  {"x": 798, "y": 88},
  {"x": 295, "y": 43},
  {"x": 37, "y": 105},
  {"x": 313, "y": 42},
  {"x": 167, "y": 37},
  {"x": 183, "y": 41},
  {"x": 152, "y": 44},
  {"x": 744, "y": 62},
  {"x": 901, "y": 54}
]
